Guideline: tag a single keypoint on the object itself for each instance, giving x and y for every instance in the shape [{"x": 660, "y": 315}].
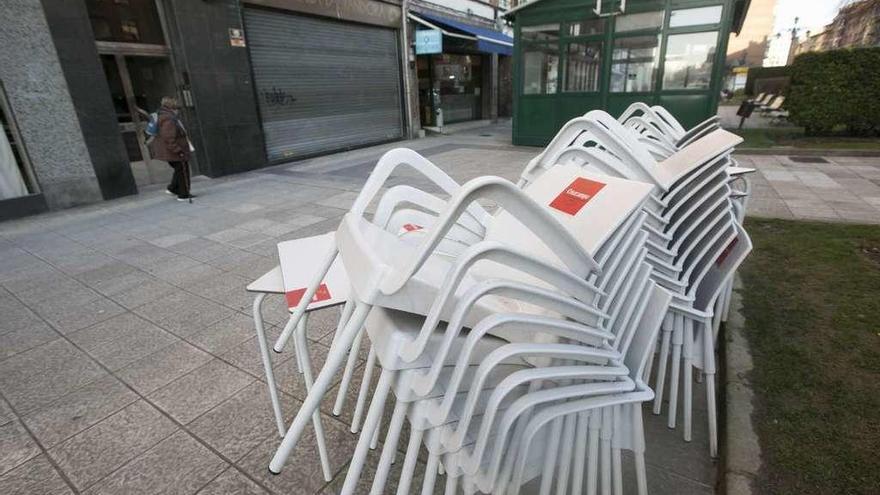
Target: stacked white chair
[
  {"x": 691, "y": 221},
  {"x": 511, "y": 337}
]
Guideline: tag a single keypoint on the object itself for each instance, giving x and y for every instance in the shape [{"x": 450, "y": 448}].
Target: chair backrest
[
  {"x": 722, "y": 269},
  {"x": 642, "y": 340},
  {"x": 777, "y": 103}
]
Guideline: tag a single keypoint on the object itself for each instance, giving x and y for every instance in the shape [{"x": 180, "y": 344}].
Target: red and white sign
[
  {"x": 294, "y": 296},
  {"x": 576, "y": 195},
  {"x": 299, "y": 259},
  {"x": 409, "y": 227}
]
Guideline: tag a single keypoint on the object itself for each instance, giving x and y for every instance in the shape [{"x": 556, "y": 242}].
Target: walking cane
[{"x": 186, "y": 178}]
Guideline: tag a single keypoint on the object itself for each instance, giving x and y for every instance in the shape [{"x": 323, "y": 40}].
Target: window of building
[
  {"x": 634, "y": 63},
  {"x": 130, "y": 21},
  {"x": 540, "y": 69},
  {"x": 583, "y": 66},
  {"x": 695, "y": 17},
  {"x": 542, "y": 33},
  {"x": 587, "y": 27},
  {"x": 634, "y": 22},
  {"x": 15, "y": 181},
  {"x": 688, "y": 62}
]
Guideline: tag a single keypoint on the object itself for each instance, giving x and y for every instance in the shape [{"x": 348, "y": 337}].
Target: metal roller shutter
[{"x": 323, "y": 85}]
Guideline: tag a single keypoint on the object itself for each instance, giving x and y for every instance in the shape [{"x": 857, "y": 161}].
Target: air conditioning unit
[{"x": 621, "y": 9}]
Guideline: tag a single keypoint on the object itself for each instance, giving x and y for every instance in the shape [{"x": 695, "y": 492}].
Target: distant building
[
  {"x": 749, "y": 47},
  {"x": 856, "y": 25}
]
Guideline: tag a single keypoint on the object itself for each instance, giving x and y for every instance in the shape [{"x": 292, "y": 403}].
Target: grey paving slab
[
  {"x": 17, "y": 446},
  {"x": 179, "y": 464},
  {"x": 24, "y": 338},
  {"x": 162, "y": 367},
  {"x": 36, "y": 476},
  {"x": 200, "y": 390},
  {"x": 98, "y": 451},
  {"x": 34, "y": 378},
  {"x": 79, "y": 410},
  {"x": 122, "y": 340},
  {"x": 183, "y": 313},
  {"x": 240, "y": 423},
  {"x": 232, "y": 481}
]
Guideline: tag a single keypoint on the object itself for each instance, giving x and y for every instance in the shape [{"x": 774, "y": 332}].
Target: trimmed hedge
[{"x": 834, "y": 89}]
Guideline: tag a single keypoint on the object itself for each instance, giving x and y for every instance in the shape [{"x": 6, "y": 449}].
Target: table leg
[
  {"x": 267, "y": 362},
  {"x": 305, "y": 367}
]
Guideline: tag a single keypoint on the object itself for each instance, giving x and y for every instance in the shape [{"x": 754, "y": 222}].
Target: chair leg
[
  {"x": 364, "y": 391},
  {"x": 388, "y": 449},
  {"x": 649, "y": 367},
  {"x": 661, "y": 367},
  {"x": 451, "y": 480},
  {"x": 565, "y": 456},
  {"x": 616, "y": 459},
  {"x": 675, "y": 373},
  {"x": 267, "y": 363},
  {"x": 709, "y": 369},
  {"x": 319, "y": 388},
  {"x": 342, "y": 393},
  {"x": 551, "y": 450},
  {"x": 580, "y": 453},
  {"x": 409, "y": 462},
  {"x": 593, "y": 454},
  {"x": 431, "y": 470},
  {"x": 639, "y": 450},
  {"x": 374, "y": 442},
  {"x": 371, "y": 424},
  {"x": 302, "y": 349},
  {"x": 605, "y": 460},
  {"x": 688, "y": 380}
]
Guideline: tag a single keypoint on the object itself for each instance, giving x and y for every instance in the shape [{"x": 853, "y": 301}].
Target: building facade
[
  {"x": 570, "y": 59},
  {"x": 260, "y": 82},
  {"x": 857, "y": 25}
]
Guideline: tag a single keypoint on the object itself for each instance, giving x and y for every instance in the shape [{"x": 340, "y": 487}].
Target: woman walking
[{"x": 172, "y": 145}]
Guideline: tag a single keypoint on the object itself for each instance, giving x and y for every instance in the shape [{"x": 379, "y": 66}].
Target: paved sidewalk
[{"x": 127, "y": 354}]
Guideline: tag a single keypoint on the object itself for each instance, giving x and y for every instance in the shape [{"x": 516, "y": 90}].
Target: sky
[{"x": 813, "y": 14}]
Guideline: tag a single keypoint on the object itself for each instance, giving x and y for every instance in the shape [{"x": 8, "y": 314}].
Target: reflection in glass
[
  {"x": 634, "y": 63},
  {"x": 642, "y": 20},
  {"x": 540, "y": 70},
  {"x": 582, "y": 67},
  {"x": 695, "y": 17},
  {"x": 543, "y": 32},
  {"x": 12, "y": 159},
  {"x": 586, "y": 27},
  {"x": 688, "y": 63}
]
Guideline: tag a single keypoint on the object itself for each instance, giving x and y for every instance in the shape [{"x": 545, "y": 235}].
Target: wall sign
[
  {"x": 429, "y": 41},
  {"x": 236, "y": 37}
]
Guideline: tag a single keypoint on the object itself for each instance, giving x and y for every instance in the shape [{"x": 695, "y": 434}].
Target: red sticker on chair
[
  {"x": 294, "y": 296},
  {"x": 724, "y": 254},
  {"x": 576, "y": 195}
]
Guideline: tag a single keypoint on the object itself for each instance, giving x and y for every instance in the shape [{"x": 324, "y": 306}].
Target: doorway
[{"x": 137, "y": 84}]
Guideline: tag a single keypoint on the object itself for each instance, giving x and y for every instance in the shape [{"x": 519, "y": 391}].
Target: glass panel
[
  {"x": 583, "y": 66},
  {"x": 586, "y": 27},
  {"x": 540, "y": 70},
  {"x": 688, "y": 63},
  {"x": 642, "y": 20},
  {"x": 12, "y": 160},
  {"x": 543, "y": 32},
  {"x": 695, "y": 17},
  {"x": 133, "y": 21},
  {"x": 458, "y": 81},
  {"x": 635, "y": 62}
]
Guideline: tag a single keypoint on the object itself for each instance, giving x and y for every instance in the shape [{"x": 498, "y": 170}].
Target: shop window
[
  {"x": 586, "y": 27},
  {"x": 634, "y": 64},
  {"x": 130, "y": 21},
  {"x": 541, "y": 33},
  {"x": 634, "y": 22},
  {"x": 695, "y": 17},
  {"x": 583, "y": 66},
  {"x": 688, "y": 62},
  {"x": 13, "y": 161},
  {"x": 540, "y": 70}
]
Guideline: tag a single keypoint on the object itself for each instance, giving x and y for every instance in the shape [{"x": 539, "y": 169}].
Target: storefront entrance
[{"x": 450, "y": 88}]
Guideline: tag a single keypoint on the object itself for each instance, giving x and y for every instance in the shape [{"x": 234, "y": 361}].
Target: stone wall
[{"x": 42, "y": 107}]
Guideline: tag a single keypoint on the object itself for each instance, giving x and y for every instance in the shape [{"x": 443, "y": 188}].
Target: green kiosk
[{"x": 573, "y": 56}]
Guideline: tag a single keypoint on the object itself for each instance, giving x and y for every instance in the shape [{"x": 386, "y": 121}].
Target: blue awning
[{"x": 488, "y": 40}]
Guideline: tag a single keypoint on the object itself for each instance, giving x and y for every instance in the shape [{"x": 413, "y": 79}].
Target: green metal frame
[{"x": 537, "y": 117}]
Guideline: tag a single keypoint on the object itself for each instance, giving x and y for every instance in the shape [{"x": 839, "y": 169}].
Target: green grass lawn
[
  {"x": 793, "y": 137},
  {"x": 812, "y": 308}
]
